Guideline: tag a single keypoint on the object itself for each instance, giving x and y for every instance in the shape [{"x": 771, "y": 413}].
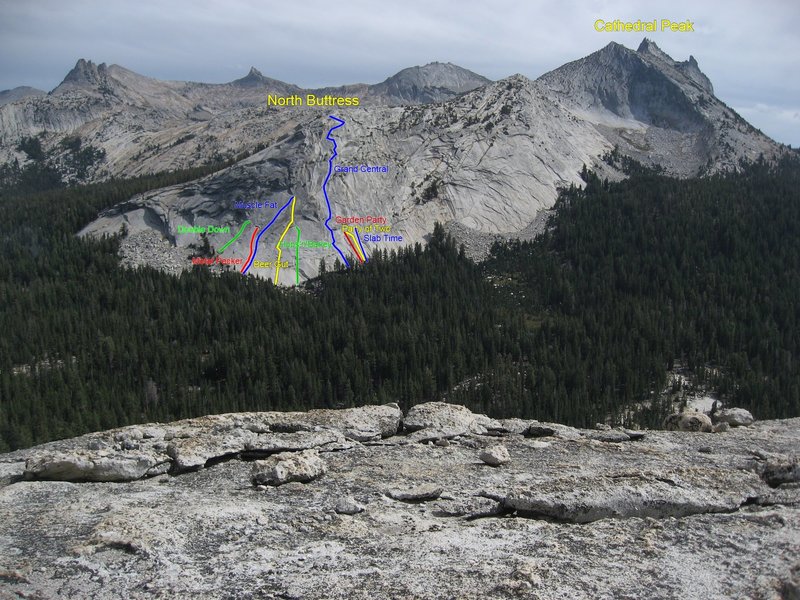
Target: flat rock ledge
[{"x": 370, "y": 503}]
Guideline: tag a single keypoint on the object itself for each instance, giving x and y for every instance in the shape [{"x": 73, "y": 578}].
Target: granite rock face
[
  {"x": 135, "y": 452},
  {"x": 486, "y": 158},
  {"x": 572, "y": 514}
]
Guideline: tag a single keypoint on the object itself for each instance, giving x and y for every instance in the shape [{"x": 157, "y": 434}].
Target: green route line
[
  {"x": 229, "y": 242},
  {"x": 297, "y": 257}
]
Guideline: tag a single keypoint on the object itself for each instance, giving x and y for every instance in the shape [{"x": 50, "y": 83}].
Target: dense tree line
[
  {"x": 579, "y": 325},
  {"x": 635, "y": 276},
  {"x": 88, "y": 345}
]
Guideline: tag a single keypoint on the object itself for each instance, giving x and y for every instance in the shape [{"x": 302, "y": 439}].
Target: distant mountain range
[{"x": 484, "y": 156}]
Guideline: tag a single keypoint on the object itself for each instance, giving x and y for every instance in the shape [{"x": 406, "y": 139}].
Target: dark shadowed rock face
[{"x": 338, "y": 504}]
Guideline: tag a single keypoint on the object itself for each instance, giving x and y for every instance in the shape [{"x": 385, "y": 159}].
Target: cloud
[{"x": 781, "y": 123}]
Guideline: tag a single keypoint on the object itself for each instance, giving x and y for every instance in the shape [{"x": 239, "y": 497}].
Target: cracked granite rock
[{"x": 573, "y": 514}]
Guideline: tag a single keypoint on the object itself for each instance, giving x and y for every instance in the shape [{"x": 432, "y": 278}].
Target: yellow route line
[
  {"x": 358, "y": 247},
  {"x": 278, "y": 245},
  {"x": 354, "y": 241}
]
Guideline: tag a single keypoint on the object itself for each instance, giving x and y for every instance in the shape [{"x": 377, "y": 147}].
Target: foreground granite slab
[{"x": 572, "y": 515}]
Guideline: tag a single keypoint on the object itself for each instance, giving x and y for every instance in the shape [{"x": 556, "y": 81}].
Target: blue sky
[{"x": 749, "y": 50}]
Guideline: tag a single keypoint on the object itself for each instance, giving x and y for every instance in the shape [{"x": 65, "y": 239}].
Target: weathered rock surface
[
  {"x": 142, "y": 451},
  {"x": 568, "y": 516},
  {"x": 636, "y": 494},
  {"x": 285, "y": 467},
  {"x": 100, "y": 466},
  {"x": 735, "y": 417}
]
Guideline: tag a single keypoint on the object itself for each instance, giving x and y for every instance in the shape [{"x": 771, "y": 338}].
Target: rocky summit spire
[
  {"x": 254, "y": 77},
  {"x": 649, "y": 47},
  {"x": 689, "y": 68},
  {"x": 85, "y": 72}
]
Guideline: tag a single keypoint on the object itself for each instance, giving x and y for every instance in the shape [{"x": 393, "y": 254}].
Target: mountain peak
[
  {"x": 438, "y": 74},
  {"x": 85, "y": 71},
  {"x": 433, "y": 82},
  {"x": 689, "y": 68},
  {"x": 254, "y": 77},
  {"x": 614, "y": 46},
  {"x": 613, "y": 49},
  {"x": 85, "y": 74},
  {"x": 649, "y": 47},
  {"x": 19, "y": 93}
]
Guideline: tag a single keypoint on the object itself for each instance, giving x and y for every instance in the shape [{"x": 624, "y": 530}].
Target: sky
[{"x": 749, "y": 49}]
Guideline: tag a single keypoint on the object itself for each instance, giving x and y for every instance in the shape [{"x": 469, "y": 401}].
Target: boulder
[
  {"x": 609, "y": 435},
  {"x": 440, "y": 416},
  {"x": 282, "y": 468},
  {"x": 516, "y": 426},
  {"x": 565, "y": 432},
  {"x": 494, "y": 456},
  {"x": 420, "y": 493},
  {"x": 535, "y": 430},
  {"x": 735, "y": 417},
  {"x": 348, "y": 506},
  {"x": 779, "y": 469},
  {"x": 688, "y": 421}
]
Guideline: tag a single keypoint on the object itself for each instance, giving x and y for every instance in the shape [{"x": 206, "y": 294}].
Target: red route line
[
  {"x": 358, "y": 256},
  {"x": 354, "y": 244},
  {"x": 249, "y": 256}
]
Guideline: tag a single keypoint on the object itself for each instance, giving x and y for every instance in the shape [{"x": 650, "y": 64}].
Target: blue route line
[
  {"x": 325, "y": 185},
  {"x": 260, "y": 233},
  {"x": 358, "y": 237}
]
